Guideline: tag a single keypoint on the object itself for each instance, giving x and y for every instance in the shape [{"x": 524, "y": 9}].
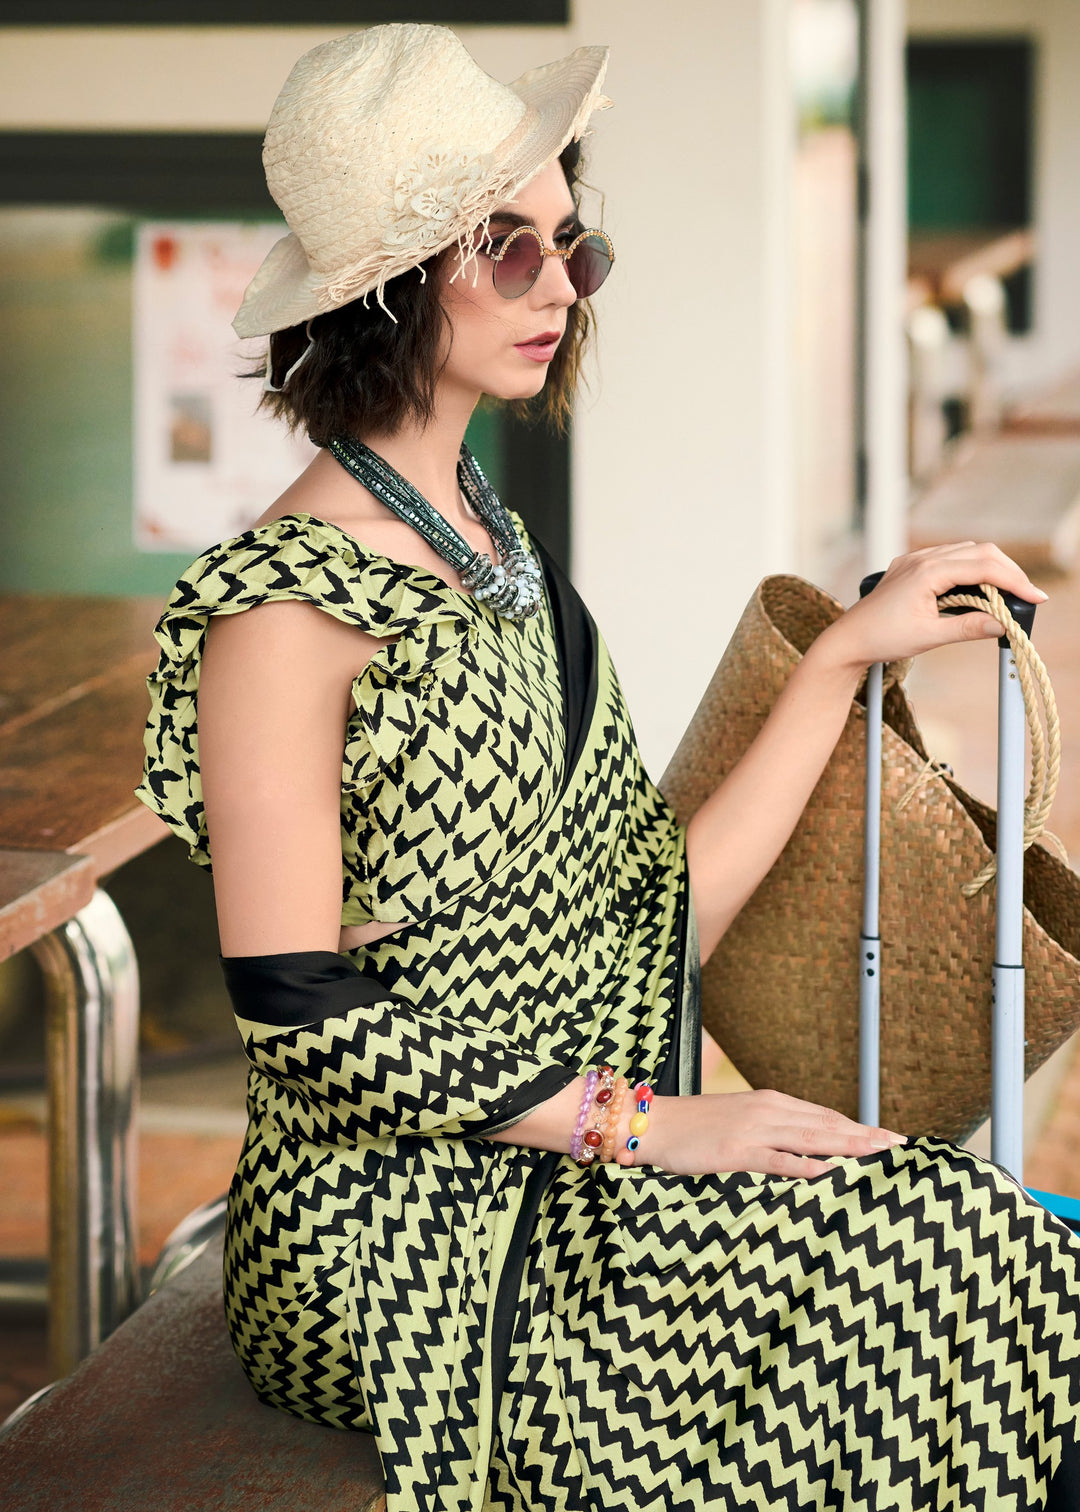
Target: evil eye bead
[
  {"x": 633, "y": 1142},
  {"x": 643, "y": 1105}
]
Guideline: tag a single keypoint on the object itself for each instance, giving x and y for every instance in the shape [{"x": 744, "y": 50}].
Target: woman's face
[{"x": 493, "y": 341}]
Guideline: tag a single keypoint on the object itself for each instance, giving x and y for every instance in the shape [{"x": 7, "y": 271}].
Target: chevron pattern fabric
[
  {"x": 901, "y": 1333},
  {"x": 521, "y": 1334}
]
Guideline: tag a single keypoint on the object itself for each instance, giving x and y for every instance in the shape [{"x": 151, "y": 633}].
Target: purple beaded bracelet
[{"x": 576, "y": 1144}]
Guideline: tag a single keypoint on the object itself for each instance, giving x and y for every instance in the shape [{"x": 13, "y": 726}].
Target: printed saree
[{"x": 516, "y": 1331}]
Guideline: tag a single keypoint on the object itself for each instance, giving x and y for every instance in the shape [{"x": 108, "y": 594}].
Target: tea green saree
[{"x": 516, "y": 1331}]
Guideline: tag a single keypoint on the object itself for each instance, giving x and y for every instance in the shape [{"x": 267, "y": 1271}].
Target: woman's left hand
[{"x": 901, "y": 618}]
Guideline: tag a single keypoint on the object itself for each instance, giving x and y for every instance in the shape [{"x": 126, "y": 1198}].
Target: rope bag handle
[{"x": 1039, "y": 704}]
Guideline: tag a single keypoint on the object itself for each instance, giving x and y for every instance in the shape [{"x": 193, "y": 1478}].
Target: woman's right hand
[{"x": 761, "y": 1131}]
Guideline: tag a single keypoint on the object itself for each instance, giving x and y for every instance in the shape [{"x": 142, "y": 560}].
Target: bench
[{"x": 160, "y": 1418}]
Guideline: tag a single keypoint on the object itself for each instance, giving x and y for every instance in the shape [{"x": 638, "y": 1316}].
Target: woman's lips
[{"x": 542, "y": 348}]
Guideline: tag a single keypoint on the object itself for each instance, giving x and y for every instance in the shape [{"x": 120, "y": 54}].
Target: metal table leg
[{"x": 92, "y": 987}]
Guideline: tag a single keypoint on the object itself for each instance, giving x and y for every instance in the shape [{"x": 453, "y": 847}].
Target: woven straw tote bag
[{"x": 781, "y": 990}]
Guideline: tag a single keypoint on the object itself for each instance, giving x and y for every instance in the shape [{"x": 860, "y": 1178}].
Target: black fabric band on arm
[{"x": 296, "y": 987}]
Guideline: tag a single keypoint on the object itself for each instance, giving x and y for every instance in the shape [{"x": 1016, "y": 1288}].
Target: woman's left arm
[{"x": 740, "y": 830}]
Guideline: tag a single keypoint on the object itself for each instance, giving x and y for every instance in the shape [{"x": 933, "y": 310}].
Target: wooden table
[{"x": 73, "y": 706}]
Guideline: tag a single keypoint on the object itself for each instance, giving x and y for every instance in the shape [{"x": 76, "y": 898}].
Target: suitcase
[{"x": 1007, "y": 1074}]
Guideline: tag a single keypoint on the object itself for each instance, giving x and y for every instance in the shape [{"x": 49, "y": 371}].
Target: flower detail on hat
[{"x": 424, "y": 196}]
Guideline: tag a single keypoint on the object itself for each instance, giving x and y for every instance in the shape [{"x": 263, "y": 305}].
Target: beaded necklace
[{"x": 513, "y": 586}]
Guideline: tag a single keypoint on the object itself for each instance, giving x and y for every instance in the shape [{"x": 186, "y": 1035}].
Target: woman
[{"x": 459, "y": 924}]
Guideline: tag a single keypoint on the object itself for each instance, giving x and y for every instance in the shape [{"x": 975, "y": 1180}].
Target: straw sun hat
[{"x": 388, "y": 145}]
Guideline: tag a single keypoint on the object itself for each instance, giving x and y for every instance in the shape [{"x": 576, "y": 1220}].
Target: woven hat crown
[
  {"x": 353, "y": 120},
  {"x": 387, "y": 145}
]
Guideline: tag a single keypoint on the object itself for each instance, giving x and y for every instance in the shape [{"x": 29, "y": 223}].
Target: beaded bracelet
[
  {"x": 639, "y": 1122},
  {"x": 579, "y": 1128},
  {"x": 593, "y": 1138},
  {"x": 607, "y": 1150}
]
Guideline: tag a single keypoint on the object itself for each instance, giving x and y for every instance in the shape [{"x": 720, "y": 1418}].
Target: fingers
[
  {"x": 780, "y": 1163},
  {"x": 983, "y": 562},
  {"x": 791, "y": 1127},
  {"x": 782, "y": 1156},
  {"x": 776, "y": 1134},
  {"x": 811, "y": 1142},
  {"x": 970, "y": 627},
  {"x": 816, "y": 1119}
]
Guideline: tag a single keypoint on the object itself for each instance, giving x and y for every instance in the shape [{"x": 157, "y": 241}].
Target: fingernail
[{"x": 1041, "y": 594}]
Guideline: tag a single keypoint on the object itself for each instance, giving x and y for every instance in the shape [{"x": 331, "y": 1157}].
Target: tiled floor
[{"x": 192, "y": 1118}]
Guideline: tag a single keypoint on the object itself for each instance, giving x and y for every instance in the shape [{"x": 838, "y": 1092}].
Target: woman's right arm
[
  {"x": 274, "y": 696},
  {"x": 273, "y": 706}
]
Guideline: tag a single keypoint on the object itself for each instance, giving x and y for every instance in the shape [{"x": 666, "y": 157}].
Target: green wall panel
[
  {"x": 969, "y": 133},
  {"x": 65, "y": 409}
]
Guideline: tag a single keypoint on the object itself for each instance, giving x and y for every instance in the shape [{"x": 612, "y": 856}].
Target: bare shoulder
[
  {"x": 292, "y": 641},
  {"x": 330, "y": 495},
  {"x": 325, "y": 491},
  {"x": 287, "y": 651}
]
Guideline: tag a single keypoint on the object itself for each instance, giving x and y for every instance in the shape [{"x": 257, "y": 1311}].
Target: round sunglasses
[{"x": 517, "y": 259}]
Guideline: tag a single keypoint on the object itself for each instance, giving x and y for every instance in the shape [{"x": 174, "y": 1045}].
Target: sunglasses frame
[{"x": 546, "y": 251}]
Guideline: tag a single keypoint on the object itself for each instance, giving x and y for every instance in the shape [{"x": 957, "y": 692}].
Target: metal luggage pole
[
  {"x": 1007, "y": 1092},
  {"x": 1007, "y": 1028},
  {"x": 870, "y": 936}
]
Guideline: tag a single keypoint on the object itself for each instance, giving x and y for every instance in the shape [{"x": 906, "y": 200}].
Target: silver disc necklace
[{"x": 514, "y": 586}]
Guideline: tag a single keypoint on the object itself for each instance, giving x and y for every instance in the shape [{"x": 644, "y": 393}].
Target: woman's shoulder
[
  {"x": 315, "y": 494},
  {"x": 329, "y": 501},
  {"x": 294, "y": 554}
]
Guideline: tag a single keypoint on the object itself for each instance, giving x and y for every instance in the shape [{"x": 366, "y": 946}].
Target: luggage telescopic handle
[{"x": 1007, "y": 1101}]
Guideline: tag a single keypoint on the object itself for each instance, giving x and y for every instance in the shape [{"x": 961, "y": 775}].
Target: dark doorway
[{"x": 970, "y": 142}]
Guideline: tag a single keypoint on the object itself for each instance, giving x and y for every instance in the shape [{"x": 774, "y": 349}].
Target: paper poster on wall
[{"x": 206, "y": 465}]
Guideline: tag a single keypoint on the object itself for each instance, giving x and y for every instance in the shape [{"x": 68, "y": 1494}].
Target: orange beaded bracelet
[{"x": 607, "y": 1149}]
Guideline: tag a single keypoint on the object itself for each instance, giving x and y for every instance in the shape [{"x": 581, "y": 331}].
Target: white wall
[
  {"x": 1053, "y": 348},
  {"x": 683, "y": 465},
  {"x": 683, "y": 491}
]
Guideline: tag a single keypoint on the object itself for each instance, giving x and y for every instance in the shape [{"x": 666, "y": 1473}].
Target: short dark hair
[{"x": 368, "y": 374}]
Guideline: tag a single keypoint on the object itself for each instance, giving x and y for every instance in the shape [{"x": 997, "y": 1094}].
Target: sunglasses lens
[
  {"x": 519, "y": 266},
  {"x": 589, "y": 265}
]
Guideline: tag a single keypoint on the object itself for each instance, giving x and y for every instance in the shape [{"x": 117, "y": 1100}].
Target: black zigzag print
[{"x": 901, "y": 1334}]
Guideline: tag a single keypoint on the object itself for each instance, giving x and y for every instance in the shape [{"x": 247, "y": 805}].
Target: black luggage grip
[{"x": 1021, "y": 610}]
